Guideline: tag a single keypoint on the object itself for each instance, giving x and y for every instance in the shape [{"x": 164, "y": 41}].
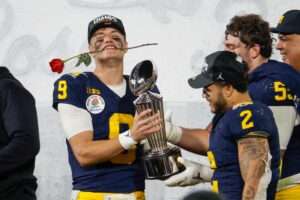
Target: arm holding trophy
[
  {"x": 160, "y": 161},
  {"x": 195, "y": 172}
]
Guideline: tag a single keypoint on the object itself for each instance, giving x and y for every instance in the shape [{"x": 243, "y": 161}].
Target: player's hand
[
  {"x": 145, "y": 124},
  {"x": 190, "y": 176},
  {"x": 173, "y": 132}
]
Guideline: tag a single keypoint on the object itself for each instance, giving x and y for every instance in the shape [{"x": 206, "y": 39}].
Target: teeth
[{"x": 110, "y": 47}]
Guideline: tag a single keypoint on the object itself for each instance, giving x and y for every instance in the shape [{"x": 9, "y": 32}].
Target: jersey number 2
[{"x": 247, "y": 119}]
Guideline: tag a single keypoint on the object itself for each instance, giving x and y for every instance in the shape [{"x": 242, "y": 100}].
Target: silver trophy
[{"x": 160, "y": 161}]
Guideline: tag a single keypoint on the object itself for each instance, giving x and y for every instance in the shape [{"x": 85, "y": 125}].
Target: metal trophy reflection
[{"x": 160, "y": 161}]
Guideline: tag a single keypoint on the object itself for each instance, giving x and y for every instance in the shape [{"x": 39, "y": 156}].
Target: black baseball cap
[
  {"x": 105, "y": 21},
  {"x": 289, "y": 23},
  {"x": 222, "y": 66}
]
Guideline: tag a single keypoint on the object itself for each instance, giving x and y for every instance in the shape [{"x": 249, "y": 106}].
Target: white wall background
[{"x": 32, "y": 32}]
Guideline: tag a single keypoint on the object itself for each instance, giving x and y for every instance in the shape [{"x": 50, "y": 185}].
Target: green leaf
[
  {"x": 84, "y": 58},
  {"x": 87, "y": 59}
]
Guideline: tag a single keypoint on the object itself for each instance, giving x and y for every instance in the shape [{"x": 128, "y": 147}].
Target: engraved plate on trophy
[{"x": 160, "y": 161}]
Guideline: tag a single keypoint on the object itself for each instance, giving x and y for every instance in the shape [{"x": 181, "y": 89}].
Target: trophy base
[{"x": 162, "y": 164}]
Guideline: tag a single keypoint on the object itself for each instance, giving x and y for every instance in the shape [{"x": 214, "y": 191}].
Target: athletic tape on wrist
[
  {"x": 174, "y": 133},
  {"x": 126, "y": 140}
]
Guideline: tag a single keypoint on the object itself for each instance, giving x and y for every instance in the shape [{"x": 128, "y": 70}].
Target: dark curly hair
[{"x": 251, "y": 29}]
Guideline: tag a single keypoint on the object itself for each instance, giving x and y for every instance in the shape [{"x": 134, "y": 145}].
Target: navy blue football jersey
[
  {"x": 269, "y": 86},
  {"x": 276, "y": 84},
  {"x": 223, "y": 149},
  {"x": 277, "y": 71},
  {"x": 110, "y": 115}
]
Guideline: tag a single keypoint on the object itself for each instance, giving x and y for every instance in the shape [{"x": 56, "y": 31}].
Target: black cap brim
[
  {"x": 200, "y": 81},
  {"x": 286, "y": 30}
]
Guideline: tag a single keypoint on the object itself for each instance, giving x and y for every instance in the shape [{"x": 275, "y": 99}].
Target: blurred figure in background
[{"x": 19, "y": 139}]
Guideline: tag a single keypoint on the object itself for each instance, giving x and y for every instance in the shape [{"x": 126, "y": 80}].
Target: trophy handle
[{"x": 143, "y": 77}]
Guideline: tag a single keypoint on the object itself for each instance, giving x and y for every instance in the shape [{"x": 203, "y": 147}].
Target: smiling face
[
  {"x": 289, "y": 47},
  {"x": 111, "y": 44},
  {"x": 235, "y": 45}
]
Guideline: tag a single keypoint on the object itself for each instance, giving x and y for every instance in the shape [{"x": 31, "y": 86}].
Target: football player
[
  {"x": 243, "y": 146},
  {"x": 98, "y": 116},
  {"x": 288, "y": 30},
  {"x": 249, "y": 37}
]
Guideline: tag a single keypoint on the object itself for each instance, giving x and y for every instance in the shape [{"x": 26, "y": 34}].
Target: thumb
[
  {"x": 181, "y": 160},
  {"x": 168, "y": 116}
]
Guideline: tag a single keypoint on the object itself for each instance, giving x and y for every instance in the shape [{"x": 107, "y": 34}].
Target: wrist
[
  {"x": 174, "y": 133},
  {"x": 126, "y": 140}
]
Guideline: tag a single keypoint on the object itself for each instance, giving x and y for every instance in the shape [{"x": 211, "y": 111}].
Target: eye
[
  {"x": 98, "y": 38},
  {"x": 116, "y": 38}
]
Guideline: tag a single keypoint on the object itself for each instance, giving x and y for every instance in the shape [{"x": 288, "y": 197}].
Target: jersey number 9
[{"x": 115, "y": 120}]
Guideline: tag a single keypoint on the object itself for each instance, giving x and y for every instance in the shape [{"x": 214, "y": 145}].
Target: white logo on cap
[
  {"x": 105, "y": 18},
  {"x": 220, "y": 77}
]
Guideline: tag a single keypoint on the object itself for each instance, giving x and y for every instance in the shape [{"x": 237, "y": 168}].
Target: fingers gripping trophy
[{"x": 160, "y": 161}]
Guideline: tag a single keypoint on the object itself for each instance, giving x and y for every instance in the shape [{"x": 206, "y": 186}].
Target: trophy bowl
[{"x": 160, "y": 161}]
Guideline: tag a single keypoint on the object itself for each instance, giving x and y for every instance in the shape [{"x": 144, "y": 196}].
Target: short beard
[{"x": 221, "y": 104}]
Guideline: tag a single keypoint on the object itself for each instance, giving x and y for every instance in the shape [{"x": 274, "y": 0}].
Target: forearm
[
  {"x": 252, "y": 181},
  {"x": 195, "y": 140},
  {"x": 90, "y": 152},
  {"x": 254, "y": 163}
]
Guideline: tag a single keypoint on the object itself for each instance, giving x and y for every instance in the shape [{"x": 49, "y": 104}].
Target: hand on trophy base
[
  {"x": 194, "y": 173},
  {"x": 162, "y": 164}
]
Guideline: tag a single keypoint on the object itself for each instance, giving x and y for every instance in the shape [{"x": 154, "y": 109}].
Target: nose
[
  {"x": 107, "y": 39},
  {"x": 204, "y": 93},
  {"x": 279, "y": 45}
]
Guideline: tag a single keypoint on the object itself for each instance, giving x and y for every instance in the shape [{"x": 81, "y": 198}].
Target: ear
[
  {"x": 227, "y": 91},
  {"x": 255, "y": 51},
  {"x": 126, "y": 46},
  {"x": 91, "y": 48}
]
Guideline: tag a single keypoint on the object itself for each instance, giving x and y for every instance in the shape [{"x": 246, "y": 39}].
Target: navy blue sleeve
[
  {"x": 68, "y": 89},
  {"x": 290, "y": 77},
  {"x": 251, "y": 121},
  {"x": 19, "y": 120}
]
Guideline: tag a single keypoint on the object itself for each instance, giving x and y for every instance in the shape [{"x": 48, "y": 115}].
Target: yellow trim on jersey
[
  {"x": 242, "y": 104},
  {"x": 215, "y": 186},
  {"x": 292, "y": 193},
  {"x": 280, "y": 167},
  {"x": 260, "y": 134},
  {"x": 139, "y": 195},
  {"x": 75, "y": 74}
]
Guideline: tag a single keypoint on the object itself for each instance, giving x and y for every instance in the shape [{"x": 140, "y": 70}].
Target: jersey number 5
[
  {"x": 282, "y": 92},
  {"x": 115, "y": 120},
  {"x": 247, "y": 119}
]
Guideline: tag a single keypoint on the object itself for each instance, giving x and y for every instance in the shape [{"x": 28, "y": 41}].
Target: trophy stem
[{"x": 153, "y": 101}]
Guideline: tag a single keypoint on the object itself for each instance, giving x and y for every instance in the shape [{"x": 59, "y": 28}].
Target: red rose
[{"x": 57, "y": 65}]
